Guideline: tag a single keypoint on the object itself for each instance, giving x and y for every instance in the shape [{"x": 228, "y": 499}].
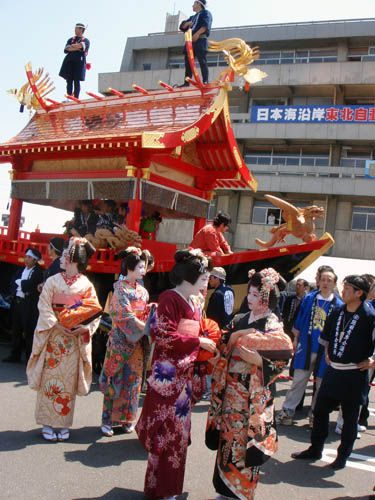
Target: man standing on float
[
  {"x": 73, "y": 68},
  {"x": 200, "y": 24}
]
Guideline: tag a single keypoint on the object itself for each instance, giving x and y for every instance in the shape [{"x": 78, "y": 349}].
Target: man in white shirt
[{"x": 25, "y": 305}]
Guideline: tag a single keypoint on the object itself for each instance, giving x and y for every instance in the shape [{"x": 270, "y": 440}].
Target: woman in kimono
[
  {"x": 121, "y": 377},
  {"x": 241, "y": 415},
  {"x": 60, "y": 364},
  {"x": 164, "y": 425}
]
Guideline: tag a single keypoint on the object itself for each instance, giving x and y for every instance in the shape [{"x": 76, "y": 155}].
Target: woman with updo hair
[
  {"x": 240, "y": 423},
  {"x": 121, "y": 377},
  {"x": 60, "y": 363},
  {"x": 164, "y": 425}
]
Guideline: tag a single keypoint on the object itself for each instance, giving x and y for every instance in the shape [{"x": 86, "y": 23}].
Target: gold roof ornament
[
  {"x": 32, "y": 93},
  {"x": 239, "y": 56}
]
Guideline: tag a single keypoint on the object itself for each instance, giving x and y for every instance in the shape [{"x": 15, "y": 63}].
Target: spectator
[
  {"x": 55, "y": 250},
  {"x": 221, "y": 303},
  {"x": 25, "y": 305},
  {"x": 309, "y": 355},
  {"x": 292, "y": 304},
  {"x": 150, "y": 225},
  {"x": 349, "y": 346},
  {"x": 85, "y": 219}
]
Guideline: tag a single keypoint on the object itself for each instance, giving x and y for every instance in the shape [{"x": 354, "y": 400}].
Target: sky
[{"x": 37, "y": 31}]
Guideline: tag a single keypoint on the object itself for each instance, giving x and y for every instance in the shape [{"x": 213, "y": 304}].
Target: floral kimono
[
  {"x": 164, "y": 425},
  {"x": 240, "y": 423},
  {"x": 121, "y": 377},
  {"x": 60, "y": 366}
]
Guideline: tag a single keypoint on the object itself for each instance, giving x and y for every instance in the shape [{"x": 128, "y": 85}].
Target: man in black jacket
[
  {"x": 200, "y": 24},
  {"x": 348, "y": 338},
  {"x": 55, "y": 250},
  {"x": 25, "y": 305}
]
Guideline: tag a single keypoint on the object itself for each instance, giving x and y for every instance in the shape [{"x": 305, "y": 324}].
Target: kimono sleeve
[
  {"x": 93, "y": 325},
  {"x": 169, "y": 314},
  {"x": 123, "y": 316},
  {"x": 47, "y": 318}
]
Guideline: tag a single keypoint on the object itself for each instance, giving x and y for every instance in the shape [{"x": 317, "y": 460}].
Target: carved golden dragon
[
  {"x": 299, "y": 222},
  {"x": 239, "y": 56}
]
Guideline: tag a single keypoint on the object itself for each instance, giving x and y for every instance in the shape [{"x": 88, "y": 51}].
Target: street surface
[{"x": 91, "y": 466}]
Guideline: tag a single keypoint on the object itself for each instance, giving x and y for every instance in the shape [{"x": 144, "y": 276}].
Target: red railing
[{"x": 103, "y": 261}]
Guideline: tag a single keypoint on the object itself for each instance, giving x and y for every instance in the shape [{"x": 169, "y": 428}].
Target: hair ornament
[
  {"x": 198, "y": 254},
  {"x": 134, "y": 250},
  {"x": 269, "y": 279},
  {"x": 75, "y": 241}
]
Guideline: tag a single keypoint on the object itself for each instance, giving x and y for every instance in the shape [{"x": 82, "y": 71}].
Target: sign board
[{"x": 312, "y": 114}]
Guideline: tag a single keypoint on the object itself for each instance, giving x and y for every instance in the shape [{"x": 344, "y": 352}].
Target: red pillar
[
  {"x": 199, "y": 222},
  {"x": 133, "y": 219},
  {"x": 14, "y": 219}
]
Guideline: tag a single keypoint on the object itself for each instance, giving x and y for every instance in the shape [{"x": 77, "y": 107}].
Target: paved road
[{"x": 90, "y": 466}]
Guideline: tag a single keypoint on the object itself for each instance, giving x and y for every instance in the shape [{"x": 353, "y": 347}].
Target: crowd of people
[{"x": 231, "y": 360}]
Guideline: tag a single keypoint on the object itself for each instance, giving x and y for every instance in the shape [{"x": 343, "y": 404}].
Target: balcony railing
[
  {"x": 306, "y": 171},
  {"x": 286, "y": 160}
]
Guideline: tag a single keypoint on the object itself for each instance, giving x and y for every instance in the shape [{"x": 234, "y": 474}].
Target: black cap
[
  {"x": 57, "y": 244},
  {"x": 358, "y": 282}
]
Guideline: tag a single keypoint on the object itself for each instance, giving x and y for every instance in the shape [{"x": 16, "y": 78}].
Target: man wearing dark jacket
[
  {"x": 55, "y": 250},
  {"x": 25, "y": 312},
  {"x": 200, "y": 24},
  {"x": 221, "y": 303}
]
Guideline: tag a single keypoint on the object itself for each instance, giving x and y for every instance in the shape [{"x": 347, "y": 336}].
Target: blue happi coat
[{"x": 308, "y": 342}]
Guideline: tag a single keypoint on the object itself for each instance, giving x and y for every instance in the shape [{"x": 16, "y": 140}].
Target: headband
[{"x": 31, "y": 253}]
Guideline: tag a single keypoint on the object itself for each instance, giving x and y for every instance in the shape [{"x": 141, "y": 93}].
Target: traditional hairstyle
[
  {"x": 189, "y": 265},
  {"x": 150, "y": 260},
  {"x": 222, "y": 218},
  {"x": 131, "y": 256},
  {"x": 266, "y": 282},
  {"x": 79, "y": 251}
]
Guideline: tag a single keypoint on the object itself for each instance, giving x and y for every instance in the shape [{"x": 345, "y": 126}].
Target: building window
[
  {"x": 146, "y": 66},
  {"x": 266, "y": 213},
  {"x": 363, "y": 219}
]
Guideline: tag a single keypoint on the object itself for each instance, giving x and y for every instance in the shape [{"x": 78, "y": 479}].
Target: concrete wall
[
  {"x": 340, "y": 73},
  {"x": 178, "y": 231},
  {"x": 305, "y": 132},
  {"x": 354, "y": 245}
]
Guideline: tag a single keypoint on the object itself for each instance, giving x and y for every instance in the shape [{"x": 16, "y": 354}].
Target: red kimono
[{"x": 164, "y": 425}]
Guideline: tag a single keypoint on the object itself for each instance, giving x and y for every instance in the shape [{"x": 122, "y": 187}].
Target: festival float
[{"x": 167, "y": 150}]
